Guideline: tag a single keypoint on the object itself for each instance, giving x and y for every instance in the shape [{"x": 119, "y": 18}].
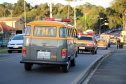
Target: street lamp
[
  {"x": 11, "y": 11},
  {"x": 100, "y": 26}
]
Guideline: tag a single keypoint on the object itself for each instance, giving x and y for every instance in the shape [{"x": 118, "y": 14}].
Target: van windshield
[
  {"x": 45, "y": 31},
  {"x": 18, "y": 37}
]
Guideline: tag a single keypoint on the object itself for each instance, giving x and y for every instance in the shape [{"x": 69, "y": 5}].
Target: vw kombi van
[{"x": 50, "y": 42}]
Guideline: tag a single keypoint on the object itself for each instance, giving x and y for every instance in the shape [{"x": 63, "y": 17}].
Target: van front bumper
[{"x": 43, "y": 62}]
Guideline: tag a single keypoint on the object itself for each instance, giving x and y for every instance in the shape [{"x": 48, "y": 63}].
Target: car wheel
[
  {"x": 73, "y": 62},
  {"x": 65, "y": 68},
  {"x": 9, "y": 51},
  {"x": 106, "y": 48},
  {"x": 109, "y": 45},
  {"x": 96, "y": 52},
  {"x": 28, "y": 66},
  {"x": 78, "y": 51},
  {"x": 92, "y": 52}
]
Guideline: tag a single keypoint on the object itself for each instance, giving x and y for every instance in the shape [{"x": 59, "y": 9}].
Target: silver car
[{"x": 16, "y": 43}]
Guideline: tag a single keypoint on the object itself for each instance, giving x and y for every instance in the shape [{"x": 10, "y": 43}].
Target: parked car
[
  {"x": 3, "y": 43},
  {"x": 16, "y": 43}
]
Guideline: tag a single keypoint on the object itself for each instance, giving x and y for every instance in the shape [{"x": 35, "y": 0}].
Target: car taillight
[
  {"x": 63, "y": 53},
  {"x": 90, "y": 44},
  {"x": 24, "y": 50}
]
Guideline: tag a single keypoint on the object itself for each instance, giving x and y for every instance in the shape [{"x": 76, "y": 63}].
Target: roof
[
  {"x": 5, "y": 28},
  {"x": 50, "y": 23},
  {"x": 11, "y": 28},
  {"x": 10, "y": 19}
]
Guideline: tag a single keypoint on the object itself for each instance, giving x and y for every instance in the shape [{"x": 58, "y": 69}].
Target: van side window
[
  {"x": 28, "y": 30},
  {"x": 63, "y": 32}
]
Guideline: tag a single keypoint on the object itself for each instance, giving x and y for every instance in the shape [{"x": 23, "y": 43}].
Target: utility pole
[
  {"x": 75, "y": 14},
  {"x": 50, "y": 8},
  {"x": 100, "y": 26},
  {"x": 85, "y": 21},
  {"x": 25, "y": 14},
  {"x": 68, "y": 9},
  {"x": 11, "y": 11}
]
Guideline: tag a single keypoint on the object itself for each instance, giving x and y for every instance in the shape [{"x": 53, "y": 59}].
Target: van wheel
[
  {"x": 28, "y": 66},
  {"x": 65, "y": 68},
  {"x": 9, "y": 51},
  {"x": 73, "y": 62},
  {"x": 106, "y": 48}
]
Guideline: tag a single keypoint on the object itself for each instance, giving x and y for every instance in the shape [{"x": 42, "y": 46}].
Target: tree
[{"x": 115, "y": 13}]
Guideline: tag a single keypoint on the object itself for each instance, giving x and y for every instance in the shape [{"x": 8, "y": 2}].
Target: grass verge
[{"x": 4, "y": 51}]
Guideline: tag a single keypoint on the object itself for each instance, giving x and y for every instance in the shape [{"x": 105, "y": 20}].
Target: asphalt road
[{"x": 12, "y": 71}]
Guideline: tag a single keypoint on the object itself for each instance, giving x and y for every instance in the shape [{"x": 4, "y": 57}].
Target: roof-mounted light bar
[{"x": 58, "y": 19}]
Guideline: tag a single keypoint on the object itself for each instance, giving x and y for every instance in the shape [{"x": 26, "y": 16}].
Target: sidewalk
[{"x": 112, "y": 70}]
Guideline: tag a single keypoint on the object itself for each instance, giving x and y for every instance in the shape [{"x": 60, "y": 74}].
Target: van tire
[
  {"x": 28, "y": 66},
  {"x": 73, "y": 62},
  {"x": 65, "y": 68}
]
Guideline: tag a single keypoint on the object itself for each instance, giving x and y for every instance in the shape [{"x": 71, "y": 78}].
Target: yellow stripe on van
[
  {"x": 57, "y": 38},
  {"x": 83, "y": 42},
  {"x": 53, "y": 56}
]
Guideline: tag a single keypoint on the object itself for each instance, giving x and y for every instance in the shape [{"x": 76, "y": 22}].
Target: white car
[{"x": 16, "y": 43}]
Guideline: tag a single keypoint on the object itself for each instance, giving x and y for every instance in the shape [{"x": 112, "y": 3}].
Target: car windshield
[
  {"x": 101, "y": 40},
  {"x": 18, "y": 37},
  {"x": 85, "y": 38}
]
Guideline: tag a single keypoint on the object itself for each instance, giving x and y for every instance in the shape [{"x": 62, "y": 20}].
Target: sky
[{"x": 104, "y": 3}]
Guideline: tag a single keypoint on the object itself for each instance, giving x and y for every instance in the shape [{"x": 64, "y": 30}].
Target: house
[
  {"x": 18, "y": 25},
  {"x": 4, "y": 32},
  {"x": 9, "y": 24}
]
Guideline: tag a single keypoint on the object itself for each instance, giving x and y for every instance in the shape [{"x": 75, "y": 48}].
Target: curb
[{"x": 87, "y": 71}]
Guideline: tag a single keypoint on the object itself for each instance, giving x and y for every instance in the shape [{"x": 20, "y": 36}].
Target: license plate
[
  {"x": 81, "y": 47},
  {"x": 15, "y": 47},
  {"x": 43, "y": 55}
]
